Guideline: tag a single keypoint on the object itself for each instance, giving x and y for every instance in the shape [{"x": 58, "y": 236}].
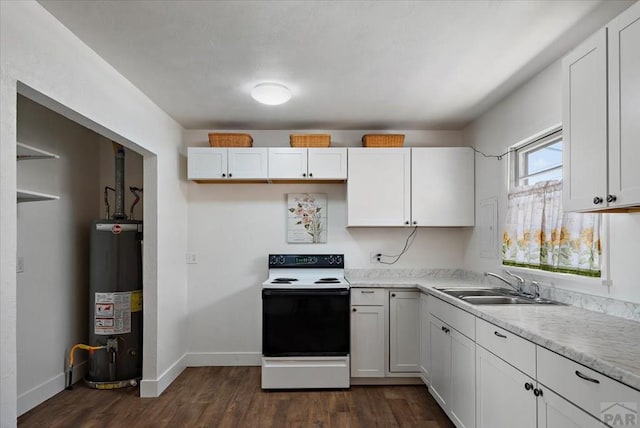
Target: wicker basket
[
  {"x": 310, "y": 140},
  {"x": 222, "y": 139},
  {"x": 383, "y": 140}
]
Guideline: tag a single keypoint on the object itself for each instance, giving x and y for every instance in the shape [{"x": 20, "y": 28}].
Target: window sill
[{"x": 557, "y": 278}]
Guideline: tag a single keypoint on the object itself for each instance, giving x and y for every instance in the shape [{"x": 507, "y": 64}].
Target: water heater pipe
[
  {"x": 73, "y": 350},
  {"x": 119, "y": 213}
]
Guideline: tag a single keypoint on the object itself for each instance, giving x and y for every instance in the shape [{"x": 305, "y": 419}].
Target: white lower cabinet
[
  {"x": 367, "y": 341},
  {"x": 440, "y": 359},
  {"x": 385, "y": 335},
  {"x": 463, "y": 378},
  {"x": 555, "y": 411},
  {"x": 502, "y": 397},
  {"x": 404, "y": 331},
  {"x": 425, "y": 332},
  {"x": 452, "y": 368}
]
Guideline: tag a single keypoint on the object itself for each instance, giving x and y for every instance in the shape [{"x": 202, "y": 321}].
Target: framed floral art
[{"x": 307, "y": 218}]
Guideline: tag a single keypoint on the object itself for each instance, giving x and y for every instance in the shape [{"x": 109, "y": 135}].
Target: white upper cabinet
[
  {"x": 624, "y": 108},
  {"x": 601, "y": 118},
  {"x": 431, "y": 186},
  {"x": 328, "y": 163},
  {"x": 292, "y": 163},
  {"x": 379, "y": 187},
  {"x": 213, "y": 163},
  {"x": 442, "y": 186}
]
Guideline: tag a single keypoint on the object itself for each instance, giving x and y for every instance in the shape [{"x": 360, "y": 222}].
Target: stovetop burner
[{"x": 327, "y": 281}]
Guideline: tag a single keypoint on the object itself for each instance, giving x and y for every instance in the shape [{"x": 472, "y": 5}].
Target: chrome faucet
[
  {"x": 495, "y": 275},
  {"x": 518, "y": 278}
]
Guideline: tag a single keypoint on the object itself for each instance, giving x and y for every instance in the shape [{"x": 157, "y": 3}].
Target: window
[
  {"x": 537, "y": 233},
  {"x": 539, "y": 160}
]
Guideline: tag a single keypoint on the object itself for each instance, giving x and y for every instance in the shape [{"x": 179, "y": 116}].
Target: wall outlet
[
  {"x": 374, "y": 257},
  {"x": 192, "y": 258},
  {"x": 20, "y": 265}
]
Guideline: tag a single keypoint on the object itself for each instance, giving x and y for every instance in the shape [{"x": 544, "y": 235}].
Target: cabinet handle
[
  {"x": 537, "y": 392},
  {"x": 415, "y": 222},
  {"x": 304, "y": 174},
  {"x": 310, "y": 174},
  {"x": 443, "y": 328},
  {"x": 528, "y": 386},
  {"x": 500, "y": 335},
  {"x": 224, "y": 175},
  {"x": 354, "y": 309},
  {"x": 229, "y": 175},
  {"x": 367, "y": 291},
  {"x": 587, "y": 378},
  {"x": 406, "y": 222},
  {"x": 611, "y": 198},
  {"x": 597, "y": 200},
  {"x": 393, "y": 294}
]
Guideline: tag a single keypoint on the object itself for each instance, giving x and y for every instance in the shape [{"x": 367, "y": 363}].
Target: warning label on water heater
[{"x": 113, "y": 313}]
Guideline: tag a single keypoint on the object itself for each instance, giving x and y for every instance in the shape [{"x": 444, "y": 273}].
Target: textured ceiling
[{"x": 350, "y": 64}]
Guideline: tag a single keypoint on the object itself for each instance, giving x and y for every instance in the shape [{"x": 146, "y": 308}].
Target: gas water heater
[{"x": 115, "y": 294}]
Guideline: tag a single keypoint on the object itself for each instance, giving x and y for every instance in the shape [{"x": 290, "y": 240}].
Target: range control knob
[
  {"x": 281, "y": 260},
  {"x": 338, "y": 260},
  {"x": 331, "y": 260}
]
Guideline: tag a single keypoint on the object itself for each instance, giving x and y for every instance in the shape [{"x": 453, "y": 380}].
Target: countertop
[{"x": 604, "y": 343}]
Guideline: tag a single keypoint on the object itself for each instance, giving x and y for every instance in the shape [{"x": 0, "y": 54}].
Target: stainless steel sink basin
[
  {"x": 493, "y": 296},
  {"x": 496, "y": 300}
]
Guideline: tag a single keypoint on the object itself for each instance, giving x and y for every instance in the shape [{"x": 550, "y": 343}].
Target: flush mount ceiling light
[{"x": 271, "y": 93}]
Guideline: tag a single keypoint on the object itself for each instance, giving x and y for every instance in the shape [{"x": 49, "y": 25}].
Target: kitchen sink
[{"x": 494, "y": 296}]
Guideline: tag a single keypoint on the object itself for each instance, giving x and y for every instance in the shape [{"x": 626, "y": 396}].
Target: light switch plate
[
  {"x": 20, "y": 265},
  {"x": 192, "y": 258}
]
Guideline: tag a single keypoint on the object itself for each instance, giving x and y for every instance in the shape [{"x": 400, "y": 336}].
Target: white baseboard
[
  {"x": 47, "y": 389},
  {"x": 205, "y": 359},
  {"x": 153, "y": 388}
]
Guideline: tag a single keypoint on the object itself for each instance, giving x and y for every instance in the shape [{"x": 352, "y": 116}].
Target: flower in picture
[{"x": 308, "y": 215}]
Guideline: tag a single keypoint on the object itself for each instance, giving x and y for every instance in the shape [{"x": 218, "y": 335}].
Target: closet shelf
[
  {"x": 30, "y": 196},
  {"x": 26, "y": 152}
]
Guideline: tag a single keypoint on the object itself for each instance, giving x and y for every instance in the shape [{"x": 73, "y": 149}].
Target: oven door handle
[{"x": 299, "y": 292}]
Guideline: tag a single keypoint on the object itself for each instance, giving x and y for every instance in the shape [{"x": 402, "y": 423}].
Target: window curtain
[{"x": 539, "y": 235}]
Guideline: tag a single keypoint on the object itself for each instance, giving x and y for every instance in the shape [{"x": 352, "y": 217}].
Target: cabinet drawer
[
  {"x": 367, "y": 296},
  {"x": 515, "y": 350},
  {"x": 462, "y": 321},
  {"x": 586, "y": 388}
]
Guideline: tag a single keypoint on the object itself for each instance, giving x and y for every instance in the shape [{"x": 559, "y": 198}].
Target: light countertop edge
[{"x": 623, "y": 365}]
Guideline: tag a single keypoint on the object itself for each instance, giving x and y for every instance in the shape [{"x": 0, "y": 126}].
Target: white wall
[
  {"x": 46, "y": 62},
  {"x": 53, "y": 241},
  {"x": 233, "y": 227},
  {"x": 534, "y": 107}
]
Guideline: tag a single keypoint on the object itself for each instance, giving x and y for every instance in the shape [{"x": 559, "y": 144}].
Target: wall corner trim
[{"x": 153, "y": 388}]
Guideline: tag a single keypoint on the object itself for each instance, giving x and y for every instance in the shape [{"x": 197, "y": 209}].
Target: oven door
[{"x": 304, "y": 322}]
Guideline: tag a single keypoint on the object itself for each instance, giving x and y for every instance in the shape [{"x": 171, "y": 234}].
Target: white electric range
[{"x": 305, "y": 322}]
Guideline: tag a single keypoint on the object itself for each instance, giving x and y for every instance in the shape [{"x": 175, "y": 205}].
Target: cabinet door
[
  {"x": 442, "y": 186},
  {"x": 585, "y": 125},
  {"x": 404, "y": 331},
  {"x": 502, "y": 401},
  {"x": 367, "y": 341},
  {"x": 425, "y": 331},
  {"x": 288, "y": 163},
  {"x": 624, "y": 107},
  {"x": 462, "y": 402},
  {"x": 556, "y": 412},
  {"x": 206, "y": 163},
  {"x": 440, "y": 360},
  {"x": 328, "y": 163},
  {"x": 378, "y": 188},
  {"x": 247, "y": 163}
]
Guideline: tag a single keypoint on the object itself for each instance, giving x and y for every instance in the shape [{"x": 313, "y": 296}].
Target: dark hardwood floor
[{"x": 231, "y": 397}]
